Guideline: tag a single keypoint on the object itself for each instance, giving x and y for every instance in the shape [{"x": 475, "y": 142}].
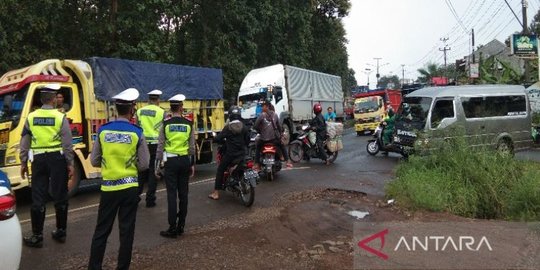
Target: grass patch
[{"x": 476, "y": 183}]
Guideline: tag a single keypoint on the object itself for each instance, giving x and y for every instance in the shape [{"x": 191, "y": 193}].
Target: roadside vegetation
[{"x": 470, "y": 182}]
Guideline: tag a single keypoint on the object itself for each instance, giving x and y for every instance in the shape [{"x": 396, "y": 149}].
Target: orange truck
[{"x": 370, "y": 108}]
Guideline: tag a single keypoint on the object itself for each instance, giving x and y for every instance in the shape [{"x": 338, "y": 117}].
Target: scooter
[
  {"x": 240, "y": 179},
  {"x": 270, "y": 161},
  {"x": 304, "y": 146},
  {"x": 376, "y": 144}
]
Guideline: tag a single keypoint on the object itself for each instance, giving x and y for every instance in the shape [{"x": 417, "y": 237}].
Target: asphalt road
[{"x": 354, "y": 169}]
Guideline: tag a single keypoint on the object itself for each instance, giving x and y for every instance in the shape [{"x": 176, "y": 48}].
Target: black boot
[
  {"x": 170, "y": 233},
  {"x": 180, "y": 230},
  {"x": 37, "y": 216},
  {"x": 61, "y": 223},
  {"x": 34, "y": 240}
]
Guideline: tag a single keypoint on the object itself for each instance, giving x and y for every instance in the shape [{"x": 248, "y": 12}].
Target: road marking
[{"x": 159, "y": 190}]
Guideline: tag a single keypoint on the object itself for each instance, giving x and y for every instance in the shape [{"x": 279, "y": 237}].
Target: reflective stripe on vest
[
  {"x": 150, "y": 118},
  {"x": 177, "y": 138},
  {"x": 119, "y": 142},
  {"x": 45, "y": 125}
]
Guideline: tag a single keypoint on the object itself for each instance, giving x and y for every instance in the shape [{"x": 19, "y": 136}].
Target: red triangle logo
[{"x": 363, "y": 244}]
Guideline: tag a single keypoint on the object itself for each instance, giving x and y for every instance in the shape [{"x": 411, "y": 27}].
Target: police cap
[
  {"x": 177, "y": 99},
  {"x": 155, "y": 92},
  {"x": 49, "y": 88},
  {"x": 127, "y": 96}
]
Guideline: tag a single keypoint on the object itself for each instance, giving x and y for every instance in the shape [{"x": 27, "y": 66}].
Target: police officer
[
  {"x": 176, "y": 149},
  {"x": 121, "y": 152},
  {"x": 46, "y": 142},
  {"x": 150, "y": 118}
]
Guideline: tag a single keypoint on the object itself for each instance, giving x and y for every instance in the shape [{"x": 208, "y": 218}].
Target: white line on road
[{"x": 159, "y": 190}]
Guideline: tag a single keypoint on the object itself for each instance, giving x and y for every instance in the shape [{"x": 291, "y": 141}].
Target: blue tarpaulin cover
[{"x": 112, "y": 76}]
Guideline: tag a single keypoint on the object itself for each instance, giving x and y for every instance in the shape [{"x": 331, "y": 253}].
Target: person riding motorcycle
[
  {"x": 318, "y": 124},
  {"x": 389, "y": 126},
  {"x": 235, "y": 136},
  {"x": 267, "y": 125}
]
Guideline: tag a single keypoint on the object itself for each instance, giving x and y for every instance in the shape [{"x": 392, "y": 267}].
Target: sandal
[
  {"x": 213, "y": 197},
  {"x": 289, "y": 165}
]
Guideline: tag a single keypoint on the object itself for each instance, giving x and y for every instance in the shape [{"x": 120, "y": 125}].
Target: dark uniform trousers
[
  {"x": 49, "y": 173},
  {"x": 177, "y": 170},
  {"x": 124, "y": 203},
  {"x": 149, "y": 177}
]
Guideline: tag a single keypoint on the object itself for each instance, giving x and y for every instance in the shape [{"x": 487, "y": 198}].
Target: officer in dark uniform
[
  {"x": 121, "y": 152},
  {"x": 46, "y": 142},
  {"x": 176, "y": 149},
  {"x": 150, "y": 119}
]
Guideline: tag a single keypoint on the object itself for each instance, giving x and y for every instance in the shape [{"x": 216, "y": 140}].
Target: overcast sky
[{"x": 409, "y": 31}]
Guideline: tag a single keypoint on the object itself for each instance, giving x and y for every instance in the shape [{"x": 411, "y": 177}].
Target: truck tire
[{"x": 286, "y": 137}]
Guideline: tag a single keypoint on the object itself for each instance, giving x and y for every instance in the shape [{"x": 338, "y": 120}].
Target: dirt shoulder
[{"x": 306, "y": 230}]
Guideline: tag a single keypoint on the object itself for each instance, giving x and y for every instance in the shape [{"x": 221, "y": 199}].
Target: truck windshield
[
  {"x": 366, "y": 105},
  {"x": 415, "y": 109},
  {"x": 251, "y": 100},
  {"x": 12, "y": 105}
]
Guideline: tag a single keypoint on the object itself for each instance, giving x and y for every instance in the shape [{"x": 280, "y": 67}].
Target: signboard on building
[
  {"x": 475, "y": 70},
  {"x": 524, "y": 45}
]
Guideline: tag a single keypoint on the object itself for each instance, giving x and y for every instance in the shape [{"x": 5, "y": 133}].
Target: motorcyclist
[
  {"x": 318, "y": 124},
  {"x": 389, "y": 126},
  {"x": 267, "y": 125},
  {"x": 235, "y": 136}
]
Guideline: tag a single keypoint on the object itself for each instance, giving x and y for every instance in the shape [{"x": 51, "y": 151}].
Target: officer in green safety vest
[
  {"x": 121, "y": 151},
  {"x": 46, "y": 142},
  {"x": 176, "y": 151},
  {"x": 150, "y": 118}
]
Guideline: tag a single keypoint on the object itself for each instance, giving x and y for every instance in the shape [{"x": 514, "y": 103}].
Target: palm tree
[{"x": 431, "y": 70}]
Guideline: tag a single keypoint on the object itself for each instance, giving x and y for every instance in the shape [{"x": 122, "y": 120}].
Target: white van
[{"x": 495, "y": 115}]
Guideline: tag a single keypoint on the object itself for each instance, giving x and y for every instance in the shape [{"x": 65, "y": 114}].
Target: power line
[
  {"x": 453, "y": 11},
  {"x": 515, "y": 15}
]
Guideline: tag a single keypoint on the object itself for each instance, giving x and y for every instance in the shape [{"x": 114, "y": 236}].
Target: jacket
[
  {"x": 235, "y": 136},
  {"x": 320, "y": 126},
  {"x": 268, "y": 131}
]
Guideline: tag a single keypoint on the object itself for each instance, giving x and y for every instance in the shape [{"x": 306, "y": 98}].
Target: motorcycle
[
  {"x": 240, "y": 178},
  {"x": 305, "y": 148},
  {"x": 269, "y": 157},
  {"x": 375, "y": 145}
]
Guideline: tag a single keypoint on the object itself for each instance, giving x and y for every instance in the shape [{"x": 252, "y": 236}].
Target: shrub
[{"x": 470, "y": 182}]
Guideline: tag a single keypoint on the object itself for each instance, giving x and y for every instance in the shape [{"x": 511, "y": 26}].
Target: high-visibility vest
[
  {"x": 119, "y": 140},
  {"x": 150, "y": 118},
  {"x": 177, "y": 135},
  {"x": 45, "y": 126}
]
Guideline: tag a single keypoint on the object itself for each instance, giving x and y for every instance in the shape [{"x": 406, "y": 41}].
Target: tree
[
  {"x": 389, "y": 82},
  {"x": 429, "y": 71},
  {"x": 349, "y": 82}
]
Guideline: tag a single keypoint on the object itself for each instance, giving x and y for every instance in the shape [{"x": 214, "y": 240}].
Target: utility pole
[
  {"x": 402, "y": 75},
  {"x": 378, "y": 75},
  {"x": 473, "y": 57},
  {"x": 524, "y": 12},
  {"x": 446, "y": 48}
]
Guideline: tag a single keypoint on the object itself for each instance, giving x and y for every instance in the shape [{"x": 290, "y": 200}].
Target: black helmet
[{"x": 235, "y": 113}]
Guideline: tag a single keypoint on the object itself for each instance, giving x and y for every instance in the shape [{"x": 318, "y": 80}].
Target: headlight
[{"x": 397, "y": 139}]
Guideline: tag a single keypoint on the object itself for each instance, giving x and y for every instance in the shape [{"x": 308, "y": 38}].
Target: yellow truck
[
  {"x": 87, "y": 87},
  {"x": 370, "y": 108}
]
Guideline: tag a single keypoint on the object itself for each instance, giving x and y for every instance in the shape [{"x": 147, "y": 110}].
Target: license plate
[{"x": 268, "y": 161}]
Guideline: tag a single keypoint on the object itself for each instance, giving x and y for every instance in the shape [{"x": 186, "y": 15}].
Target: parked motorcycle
[
  {"x": 240, "y": 179},
  {"x": 375, "y": 145},
  {"x": 304, "y": 148}
]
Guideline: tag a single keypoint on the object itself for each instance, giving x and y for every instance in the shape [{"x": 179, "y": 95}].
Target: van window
[
  {"x": 443, "y": 109},
  {"x": 479, "y": 107}
]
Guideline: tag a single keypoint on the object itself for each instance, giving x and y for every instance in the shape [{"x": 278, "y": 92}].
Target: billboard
[
  {"x": 524, "y": 45},
  {"x": 475, "y": 70}
]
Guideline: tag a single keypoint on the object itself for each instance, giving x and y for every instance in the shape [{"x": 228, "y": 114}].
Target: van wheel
[
  {"x": 77, "y": 176},
  {"x": 505, "y": 147}
]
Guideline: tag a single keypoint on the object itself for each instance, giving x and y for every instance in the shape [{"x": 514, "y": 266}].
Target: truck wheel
[
  {"x": 359, "y": 133},
  {"x": 77, "y": 176},
  {"x": 286, "y": 134}
]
